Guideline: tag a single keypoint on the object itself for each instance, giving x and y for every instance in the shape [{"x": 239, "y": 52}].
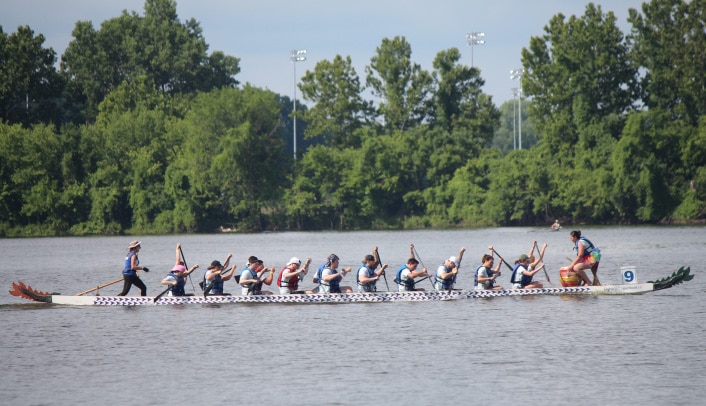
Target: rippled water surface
[{"x": 539, "y": 350}]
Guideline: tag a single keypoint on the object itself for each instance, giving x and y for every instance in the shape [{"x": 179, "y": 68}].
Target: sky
[{"x": 262, "y": 33}]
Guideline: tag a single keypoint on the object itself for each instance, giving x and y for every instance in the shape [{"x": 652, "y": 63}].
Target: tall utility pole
[
  {"x": 474, "y": 38},
  {"x": 517, "y": 74},
  {"x": 515, "y": 92},
  {"x": 298, "y": 55}
]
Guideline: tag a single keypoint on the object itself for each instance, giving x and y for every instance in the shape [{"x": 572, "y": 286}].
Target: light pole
[
  {"x": 515, "y": 92},
  {"x": 474, "y": 38},
  {"x": 298, "y": 55},
  {"x": 517, "y": 74}
]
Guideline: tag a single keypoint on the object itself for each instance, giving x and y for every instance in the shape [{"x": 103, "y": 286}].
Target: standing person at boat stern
[
  {"x": 132, "y": 265},
  {"x": 446, "y": 272},
  {"x": 587, "y": 256}
]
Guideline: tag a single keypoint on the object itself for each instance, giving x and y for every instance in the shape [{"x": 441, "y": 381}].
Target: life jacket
[
  {"x": 408, "y": 283},
  {"x": 334, "y": 285},
  {"x": 490, "y": 283},
  {"x": 127, "y": 270},
  {"x": 319, "y": 273},
  {"x": 588, "y": 249},
  {"x": 367, "y": 287},
  {"x": 253, "y": 275},
  {"x": 178, "y": 289},
  {"x": 514, "y": 273},
  {"x": 217, "y": 287},
  {"x": 444, "y": 284},
  {"x": 292, "y": 283}
]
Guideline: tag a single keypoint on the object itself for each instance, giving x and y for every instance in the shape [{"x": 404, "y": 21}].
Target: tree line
[{"x": 141, "y": 131}]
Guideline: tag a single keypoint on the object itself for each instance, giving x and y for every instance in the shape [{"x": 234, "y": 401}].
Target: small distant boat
[{"x": 22, "y": 290}]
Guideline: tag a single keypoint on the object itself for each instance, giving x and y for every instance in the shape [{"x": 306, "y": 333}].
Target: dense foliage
[{"x": 140, "y": 131}]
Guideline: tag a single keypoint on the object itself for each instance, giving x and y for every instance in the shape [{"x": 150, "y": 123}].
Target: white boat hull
[{"x": 21, "y": 290}]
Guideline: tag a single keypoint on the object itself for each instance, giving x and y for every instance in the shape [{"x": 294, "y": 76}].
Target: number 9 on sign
[{"x": 628, "y": 274}]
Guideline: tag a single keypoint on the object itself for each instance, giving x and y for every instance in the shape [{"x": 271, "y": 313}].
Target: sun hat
[
  {"x": 294, "y": 260},
  {"x": 134, "y": 244},
  {"x": 179, "y": 268}
]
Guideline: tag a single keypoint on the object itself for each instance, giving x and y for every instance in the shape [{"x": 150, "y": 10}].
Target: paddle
[
  {"x": 183, "y": 259},
  {"x": 100, "y": 287},
  {"x": 540, "y": 258},
  {"x": 500, "y": 256},
  {"x": 384, "y": 275},
  {"x": 416, "y": 254},
  {"x": 162, "y": 294}
]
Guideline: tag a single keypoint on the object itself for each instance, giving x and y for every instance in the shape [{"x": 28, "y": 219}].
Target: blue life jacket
[
  {"x": 127, "y": 270},
  {"x": 178, "y": 290},
  {"x": 408, "y": 283},
  {"x": 446, "y": 284},
  {"x": 320, "y": 272},
  {"x": 334, "y": 285},
  {"x": 491, "y": 282},
  {"x": 588, "y": 249},
  {"x": 252, "y": 275},
  {"x": 514, "y": 272},
  {"x": 526, "y": 280},
  {"x": 217, "y": 287},
  {"x": 367, "y": 287}
]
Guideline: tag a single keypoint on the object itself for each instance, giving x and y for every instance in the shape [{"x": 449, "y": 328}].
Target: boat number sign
[{"x": 628, "y": 274}]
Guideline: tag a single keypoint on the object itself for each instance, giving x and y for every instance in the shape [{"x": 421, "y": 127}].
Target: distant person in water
[
  {"x": 587, "y": 256},
  {"x": 556, "y": 226},
  {"x": 132, "y": 265}
]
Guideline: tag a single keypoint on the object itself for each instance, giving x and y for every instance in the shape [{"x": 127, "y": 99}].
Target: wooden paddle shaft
[{"x": 99, "y": 287}]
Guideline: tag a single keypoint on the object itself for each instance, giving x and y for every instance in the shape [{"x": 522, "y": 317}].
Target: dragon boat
[{"x": 22, "y": 290}]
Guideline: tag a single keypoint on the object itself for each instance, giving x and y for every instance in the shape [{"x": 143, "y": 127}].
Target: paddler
[
  {"x": 368, "y": 274},
  {"x": 485, "y": 276},
  {"x": 176, "y": 278},
  {"x": 290, "y": 275},
  {"x": 446, "y": 272},
  {"x": 214, "y": 277}
]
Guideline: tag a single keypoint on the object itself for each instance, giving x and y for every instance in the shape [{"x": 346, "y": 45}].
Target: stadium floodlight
[
  {"x": 517, "y": 74},
  {"x": 297, "y": 55},
  {"x": 473, "y": 39}
]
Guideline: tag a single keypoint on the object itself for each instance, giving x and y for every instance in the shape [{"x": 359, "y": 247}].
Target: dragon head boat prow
[
  {"x": 682, "y": 275},
  {"x": 27, "y": 292}
]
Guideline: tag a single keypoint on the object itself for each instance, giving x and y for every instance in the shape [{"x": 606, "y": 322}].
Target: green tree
[
  {"x": 669, "y": 42},
  {"x": 30, "y": 87},
  {"x": 171, "y": 54},
  {"x": 459, "y": 102},
  {"x": 316, "y": 199},
  {"x": 403, "y": 87},
  {"x": 577, "y": 73},
  {"x": 231, "y": 160},
  {"x": 339, "y": 109}
]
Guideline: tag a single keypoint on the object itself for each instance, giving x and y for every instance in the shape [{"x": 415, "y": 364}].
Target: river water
[{"x": 538, "y": 350}]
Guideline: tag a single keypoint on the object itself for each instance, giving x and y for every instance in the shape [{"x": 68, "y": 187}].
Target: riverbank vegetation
[{"x": 141, "y": 131}]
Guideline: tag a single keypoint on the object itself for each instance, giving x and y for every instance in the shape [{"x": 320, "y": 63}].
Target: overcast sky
[{"x": 263, "y": 32}]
